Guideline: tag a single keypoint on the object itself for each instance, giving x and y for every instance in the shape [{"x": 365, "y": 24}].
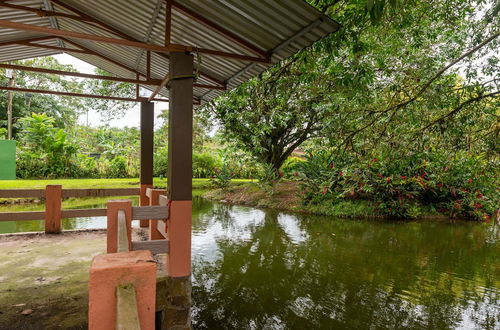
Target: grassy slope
[{"x": 286, "y": 198}]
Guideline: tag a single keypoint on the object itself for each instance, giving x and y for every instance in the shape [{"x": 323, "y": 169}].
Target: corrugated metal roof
[{"x": 280, "y": 27}]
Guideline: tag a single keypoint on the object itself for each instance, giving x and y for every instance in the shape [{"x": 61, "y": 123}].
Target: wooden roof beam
[
  {"x": 94, "y": 96},
  {"x": 79, "y": 74},
  {"x": 14, "y": 42},
  {"x": 84, "y": 36},
  {"x": 62, "y": 49},
  {"x": 126, "y": 36},
  {"x": 92, "y": 52},
  {"x": 171, "y": 48},
  {"x": 41, "y": 12}
]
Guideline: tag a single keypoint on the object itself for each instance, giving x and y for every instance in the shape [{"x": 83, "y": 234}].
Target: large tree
[
  {"x": 273, "y": 114},
  {"x": 64, "y": 110},
  {"x": 394, "y": 69}
]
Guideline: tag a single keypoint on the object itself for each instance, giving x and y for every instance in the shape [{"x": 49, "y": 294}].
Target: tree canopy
[{"x": 402, "y": 73}]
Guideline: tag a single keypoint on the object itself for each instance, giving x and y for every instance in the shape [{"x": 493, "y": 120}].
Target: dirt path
[{"x": 43, "y": 279}]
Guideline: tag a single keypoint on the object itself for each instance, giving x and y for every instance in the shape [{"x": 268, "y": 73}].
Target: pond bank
[{"x": 286, "y": 198}]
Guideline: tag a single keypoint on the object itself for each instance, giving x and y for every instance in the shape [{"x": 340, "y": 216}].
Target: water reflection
[
  {"x": 67, "y": 224},
  {"x": 258, "y": 269},
  {"x": 255, "y": 269}
]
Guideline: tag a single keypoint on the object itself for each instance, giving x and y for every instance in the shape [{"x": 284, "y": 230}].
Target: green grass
[
  {"x": 100, "y": 183},
  {"x": 200, "y": 187},
  {"x": 348, "y": 209}
]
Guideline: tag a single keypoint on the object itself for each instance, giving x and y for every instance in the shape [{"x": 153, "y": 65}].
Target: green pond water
[{"x": 263, "y": 269}]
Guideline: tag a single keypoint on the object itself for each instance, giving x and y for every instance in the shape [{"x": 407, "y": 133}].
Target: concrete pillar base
[{"x": 173, "y": 303}]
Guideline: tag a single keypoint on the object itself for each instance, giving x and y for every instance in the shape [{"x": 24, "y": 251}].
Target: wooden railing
[{"x": 53, "y": 195}]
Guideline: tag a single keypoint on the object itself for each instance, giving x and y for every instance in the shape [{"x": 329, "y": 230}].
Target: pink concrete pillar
[
  {"x": 110, "y": 270},
  {"x": 179, "y": 237},
  {"x": 112, "y": 231}
]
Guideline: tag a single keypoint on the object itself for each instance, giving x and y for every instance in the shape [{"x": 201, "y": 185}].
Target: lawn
[
  {"x": 200, "y": 187},
  {"x": 99, "y": 183}
]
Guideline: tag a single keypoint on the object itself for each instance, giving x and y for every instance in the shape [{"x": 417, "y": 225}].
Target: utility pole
[{"x": 12, "y": 77}]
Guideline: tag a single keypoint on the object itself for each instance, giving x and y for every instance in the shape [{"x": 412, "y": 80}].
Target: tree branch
[
  {"x": 460, "y": 107},
  {"x": 443, "y": 70}
]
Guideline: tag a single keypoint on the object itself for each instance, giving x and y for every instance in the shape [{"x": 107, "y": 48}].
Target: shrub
[
  {"x": 45, "y": 150},
  {"x": 117, "y": 168},
  {"x": 204, "y": 165},
  {"x": 160, "y": 162},
  {"x": 222, "y": 177},
  {"x": 460, "y": 184},
  {"x": 268, "y": 178}
]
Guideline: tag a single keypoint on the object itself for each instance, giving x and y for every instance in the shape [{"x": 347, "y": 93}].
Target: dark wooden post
[
  {"x": 147, "y": 132},
  {"x": 180, "y": 141}
]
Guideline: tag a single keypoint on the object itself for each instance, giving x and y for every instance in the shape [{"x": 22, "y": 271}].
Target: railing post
[
  {"x": 53, "y": 200},
  {"x": 144, "y": 201},
  {"x": 114, "y": 278},
  {"x": 154, "y": 234},
  {"x": 113, "y": 225}
]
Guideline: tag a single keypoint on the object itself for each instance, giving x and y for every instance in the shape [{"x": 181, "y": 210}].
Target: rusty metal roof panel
[{"x": 277, "y": 27}]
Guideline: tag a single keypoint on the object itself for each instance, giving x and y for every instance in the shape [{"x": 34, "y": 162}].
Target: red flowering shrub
[{"x": 401, "y": 186}]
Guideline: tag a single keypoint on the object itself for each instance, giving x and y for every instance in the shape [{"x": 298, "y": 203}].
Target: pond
[{"x": 263, "y": 269}]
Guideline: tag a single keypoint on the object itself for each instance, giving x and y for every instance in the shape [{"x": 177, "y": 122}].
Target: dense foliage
[
  {"x": 403, "y": 185},
  {"x": 414, "y": 85},
  {"x": 399, "y": 109}
]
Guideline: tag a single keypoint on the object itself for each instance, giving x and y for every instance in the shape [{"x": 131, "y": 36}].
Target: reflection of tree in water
[{"x": 369, "y": 275}]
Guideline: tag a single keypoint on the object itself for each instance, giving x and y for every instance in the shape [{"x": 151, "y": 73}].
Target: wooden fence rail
[
  {"x": 53, "y": 213},
  {"x": 40, "y": 193}
]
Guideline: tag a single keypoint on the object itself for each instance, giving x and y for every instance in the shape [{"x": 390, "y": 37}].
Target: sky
[{"x": 131, "y": 117}]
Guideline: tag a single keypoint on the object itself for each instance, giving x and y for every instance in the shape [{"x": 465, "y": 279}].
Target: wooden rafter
[
  {"x": 168, "y": 48},
  {"x": 62, "y": 49},
  {"x": 94, "y": 96},
  {"x": 79, "y": 74},
  {"x": 163, "y": 83},
  {"x": 13, "y": 42},
  {"x": 126, "y": 36},
  {"x": 101, "y": 56},
  {"x": 81, "y": 16},
  {"x": 168, "y": 22},
  {"x": 84, "y": 36}
]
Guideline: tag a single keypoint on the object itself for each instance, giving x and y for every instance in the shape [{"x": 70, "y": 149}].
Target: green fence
[{"x": 7, "y": 160}]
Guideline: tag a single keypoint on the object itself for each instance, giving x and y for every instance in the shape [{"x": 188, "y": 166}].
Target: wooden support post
[
  {"x": 53, "y": 200},
  {"x": 110, "y": 271},
  {"x": 180, "y": 164},
  {"x": 147, "y": 132},
  {"x": 154, "y": 234},
  {"x": 112, "y": 229}
]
